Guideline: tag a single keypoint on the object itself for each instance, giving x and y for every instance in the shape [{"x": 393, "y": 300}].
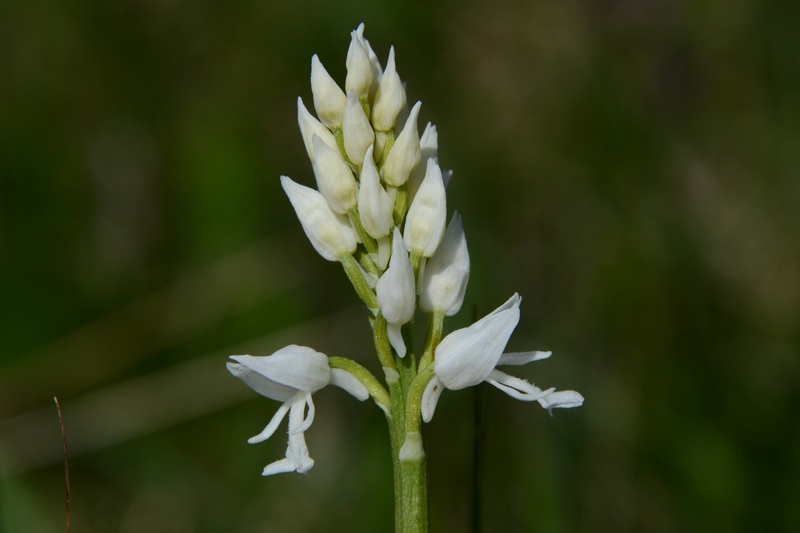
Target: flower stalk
[{"x": 380, "y": 210}]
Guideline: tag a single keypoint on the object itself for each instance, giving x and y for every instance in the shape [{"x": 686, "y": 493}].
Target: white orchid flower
[
  {"x": 291, "y": 375},
  {"x": 470, "y": 355}
]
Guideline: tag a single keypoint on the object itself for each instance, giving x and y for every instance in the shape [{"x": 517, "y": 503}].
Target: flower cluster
[{"x": 379, "y": 208}]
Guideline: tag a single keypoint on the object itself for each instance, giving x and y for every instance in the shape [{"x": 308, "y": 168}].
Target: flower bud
[
  {"x": 329, "y": 99},
  {"x": 330, "y": 234},
  {"x": 396, "y": 294},
  {"x": 309, "y": 127},
  {"x": 426, "y": 217},
  {"x": 405, "y": 154},
  {"x": 357, "y": 132},
  {"x": 446, "y": 273},
  {"x": 335, "y": 180},
  {"x": 359, "y": 67},
  {"x": 390, "y": 97},
  {"x": 374, "y": 204},
  {"x": 428, "y": 149}
]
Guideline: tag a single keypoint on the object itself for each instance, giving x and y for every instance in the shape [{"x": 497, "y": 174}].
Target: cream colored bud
[
  {"x": 359, "y": 67},
  {"x": 357, "y": 132},
  {"x": 405, "y": 154},
  {"x": 330, "y": 234},
  {"x": 310, "y": 127},
  {"x": 425, "y": 220},
  {"x": 446, "y": 273},
  {"x": 335, "y": 180},
  {"x": 390, "y": 97},
  {"x": 329, "y": 99},
  {"x": 374, "y": 204}
]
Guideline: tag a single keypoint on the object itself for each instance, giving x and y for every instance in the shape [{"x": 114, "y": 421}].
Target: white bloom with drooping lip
[
  {"x": 329, "y": 99},
  {"x": 335, "y": 180},
  {"x": 310, "y": 127},
  {"x": 390, "y": 97},
  {"x": 469, "y": 356},
  {"x": 426, "y": 217},
  {"x": 404, "y": 155},
  {"x": 374, "y": 204},
  {"x": 330, "y": 234},
  {"x": 291, "y": 375},
  {"x": 396, "y": 294},
  {"x": 356, "y": 130},
  {"x": 446, "y": 274}
]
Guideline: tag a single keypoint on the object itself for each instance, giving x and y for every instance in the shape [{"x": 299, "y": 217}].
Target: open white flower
[
  {"x": 470, "y": 355},
  {"x": 291, "y": 375}
]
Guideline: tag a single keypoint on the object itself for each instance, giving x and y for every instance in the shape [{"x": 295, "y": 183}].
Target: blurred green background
[{"x": 630, "y": 167}]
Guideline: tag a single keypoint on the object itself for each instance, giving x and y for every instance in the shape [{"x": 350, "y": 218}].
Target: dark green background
[{"x": 630, "y": 167}]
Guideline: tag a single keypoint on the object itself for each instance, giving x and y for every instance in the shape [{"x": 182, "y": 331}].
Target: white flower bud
[
  {"x": 396, "y": 294},
  {"x": 446, "y": 273},
  {"x": 426, "y": 217},
  {"x": 377, "y": 70},
  {"x": 405, "y": 154},
  {"x": 359, "y": 67},
  {"x": 309, "y": 127},
  {"x": 330, "y": 234},
  {"x": 428, "y": 149},
  {"x": 390, "y": 97},
  {"x": 357, "y": 132},
  {"x": 329, "y": 99},
  {"x": 335, "y": 180},
  {"x": 374, "y": 204}
]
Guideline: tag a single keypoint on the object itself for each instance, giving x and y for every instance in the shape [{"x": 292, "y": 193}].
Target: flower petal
[
  {"x": 516, "y": 388},
  {"x": 395, "y": 334},
  {"x": 269, "y": 430},
  {"x": 563, "y": 399},
  {"x": 308, "y": 419},
  {"x": 299, "y": 367},
  {"x": 522, "y": 358},
  {"x": 467, "y": 356},
  {"x": 430, "y": 397},
  {"x": 347, "y": 381}
]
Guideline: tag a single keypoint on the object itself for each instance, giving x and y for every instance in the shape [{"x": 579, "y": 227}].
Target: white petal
[
  {"x": 303, "y": 400},
  {"x": 329, "y": 99},
  {"x": 394, "y": 332},
  {"x": 359, "y": 67},
  {"x": 310, "y": 126},
  {"x": 564, "y": 399},
  {"x": 446, "y": 274},
  {"x": 356, "y": 129},
  {"x": 347, "y": 381},
  {"x": 427, "y": 215},
  {"x": 269, "y": 430},
  {"x": 299, "y": 367},
  {"x": 522, "y": 358},
  {"x": 335, "y": 180},
  {"x": 395, "y": 289},
  {"x": 297, "y": 451},
  {"x": 329, "y": 233},
  {"x": 404, "y": 154},
  {"x": 516, "y": 387},
  {"x": 390, "y": 97},
  {"x": 261, "y": 384},
  {"x": 430, "y": 397},
  {"x": 467, "y": 356},
  {"x": 279, "y": 467},
  {"x": 374, "y": 204},
  {"x": 428, "y": 149}
]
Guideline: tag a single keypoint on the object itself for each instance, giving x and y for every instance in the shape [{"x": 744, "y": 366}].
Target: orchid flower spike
[
  {"x": 291, "y": 375},
  {"x": 470, "y": 355}
]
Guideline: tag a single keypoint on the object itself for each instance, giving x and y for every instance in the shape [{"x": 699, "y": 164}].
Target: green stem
[
  {"x": 366, "y": 378},
  {"x": 357, "y": 279},
  {"x": 435, "y": 328},
  {"x": 369, "y": 242}
]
